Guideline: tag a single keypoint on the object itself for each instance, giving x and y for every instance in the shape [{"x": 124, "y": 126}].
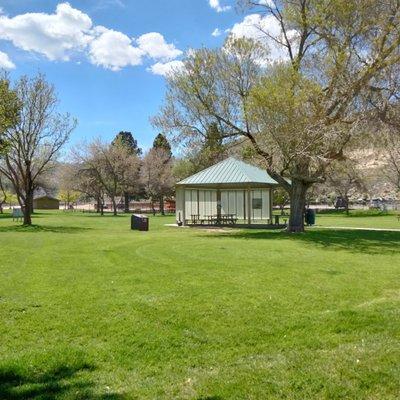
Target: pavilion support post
[
  {"x": 218, "y": 206},
  {"x": 271, "y": 197},
  {"x": 249, "y": 206},
  {"x": 183, "y": 206}
]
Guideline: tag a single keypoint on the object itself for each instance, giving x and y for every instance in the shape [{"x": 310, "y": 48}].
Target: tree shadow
[
  {"x": 43, "y": 228},
  {"x": 357, "y": 241},
  {"x": 66, "y": 381}
]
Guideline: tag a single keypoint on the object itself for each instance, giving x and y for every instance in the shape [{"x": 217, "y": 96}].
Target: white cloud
[
  {"x": 216, "y": 32},
  {"x": 254, "y": 27},
  {"x": 55, "y": 36},
  {"x": 155, "y": 46},
  {"x": 69, "y": 31},
  {"x": 114, "y": 50},
  {"x": 5, "y": 61},
  {"x": 267, "y": 3},
  {"x": 165, "y": 69},
  {"x": 103, "y": 4},
  {"x": 216, "y": 5}
]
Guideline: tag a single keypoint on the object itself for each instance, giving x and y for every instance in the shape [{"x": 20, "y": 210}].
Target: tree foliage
[
  {"x": 299, "y": 115},
  {"x": 9, "y": 110},
  {"x": 126, "y": 139}
]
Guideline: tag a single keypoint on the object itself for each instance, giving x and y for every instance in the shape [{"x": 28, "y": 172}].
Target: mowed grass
[
  {"x": 360, "y": 219},
  {"x": 92, "y": 310}
]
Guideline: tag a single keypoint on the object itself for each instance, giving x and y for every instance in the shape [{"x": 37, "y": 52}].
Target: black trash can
[
  {"x": 310, "y": 217},
  {"x": 140, "y": 222}
]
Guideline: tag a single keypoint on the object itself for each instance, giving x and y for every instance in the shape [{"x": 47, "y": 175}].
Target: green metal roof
[{"x": 229, "y": 171}]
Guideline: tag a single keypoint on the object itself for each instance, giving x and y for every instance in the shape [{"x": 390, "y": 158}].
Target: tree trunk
[
  {"x": 162, "y": 211},
  {"x": 28, "y": 207},
  {"x": 114, "y": 204},
  {"x": 297, "y": 204},
  {"x": 126, "y": 202},
  {"x": 346, "y": 205},
  {"x": 98, "y": 205}
]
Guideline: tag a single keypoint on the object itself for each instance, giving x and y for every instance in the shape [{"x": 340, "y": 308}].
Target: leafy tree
[
  {"x": 156, "y": 175},
  {"x": 35, "y": 141},
  {"x": 9, "y": 110},
  {"x": 68, "y": 197},
  {"x": 127, "y": 140},
  {"x": 299, "y": 116},
  {"x": 161, "y": 142}
]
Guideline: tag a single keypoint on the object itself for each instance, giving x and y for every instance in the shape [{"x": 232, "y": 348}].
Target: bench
[{"x": 17, "y": 214}]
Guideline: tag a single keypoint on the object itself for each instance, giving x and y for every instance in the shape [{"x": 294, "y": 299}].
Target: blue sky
[{"x": 100, "y": 55}]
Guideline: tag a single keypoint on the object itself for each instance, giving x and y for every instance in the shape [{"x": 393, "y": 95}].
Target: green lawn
[
  {"x": 359, "y": 219},
  {"x": 92, "y": 310}
]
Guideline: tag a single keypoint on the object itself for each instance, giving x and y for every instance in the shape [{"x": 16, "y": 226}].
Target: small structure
[
  {"x": 46, "y": 202},
  {"x": 231, "y": 192}
]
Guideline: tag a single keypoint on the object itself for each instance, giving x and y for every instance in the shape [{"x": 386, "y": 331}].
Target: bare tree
[
  {"x": 110, "y": 168},
  {"x": 34, "y": 142},
  {"x": 346, "y": 178}
]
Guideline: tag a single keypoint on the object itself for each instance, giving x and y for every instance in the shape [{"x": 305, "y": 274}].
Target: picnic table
[
  {"x": 223, "y": 219},
  {"x": 213, "y": 219}
]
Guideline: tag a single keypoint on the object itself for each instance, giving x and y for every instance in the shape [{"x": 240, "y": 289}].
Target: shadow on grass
[
  {"x": 66, "y": 381},
  {"x": 41, "y": 228},
  {"x": 369, "y": 242}
]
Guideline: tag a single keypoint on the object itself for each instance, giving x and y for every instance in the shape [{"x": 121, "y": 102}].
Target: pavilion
[{"x": 231, "y": 192}]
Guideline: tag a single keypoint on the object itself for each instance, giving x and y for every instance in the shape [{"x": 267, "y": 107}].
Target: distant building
[{"x": 45, "y": 202}]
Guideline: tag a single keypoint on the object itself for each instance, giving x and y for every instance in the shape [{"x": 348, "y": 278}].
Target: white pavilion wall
[
  {"x": 233, "y": 202},
  {"x": 260, "y": 204},
  {"x": 203, "y": 202}
]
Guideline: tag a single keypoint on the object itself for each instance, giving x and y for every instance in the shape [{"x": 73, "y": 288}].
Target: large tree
[
  {"x": 156, "y": 174},
  {"x": 34, "y": 142},
  {"x": 298, "y": 115},
  {"x": 127, "y": 140}
]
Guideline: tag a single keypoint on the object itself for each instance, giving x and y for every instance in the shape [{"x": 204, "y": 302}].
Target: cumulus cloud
[
  {"x": 216, "y": 5},
  {"x": 255, "y": 26},
  {"x": 164, "y": 69},
  {"x": 55, "y": 36},
  {"x": 69, "y": 31},
  {"x": 216, "y": 32},
  {"x": 155, "y": 46},
  {"x": 5, "y": 61},
  {"x": 113, "y": 50}
]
